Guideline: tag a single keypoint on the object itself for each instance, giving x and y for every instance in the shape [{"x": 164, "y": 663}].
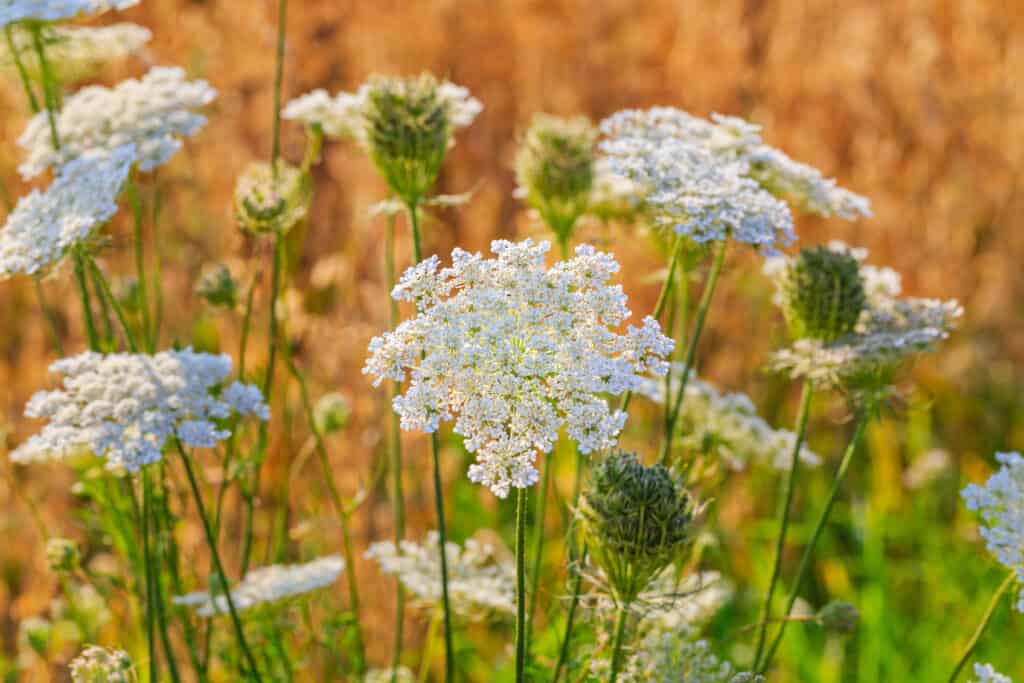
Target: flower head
[
  {"x": 126, "y": 406},
  {"x": 986, "y": 674},
  {"x": 269, "y": 203},
  {"x": 838, "y": 617},
  {"x": 153, "y": 113},
  {"x": 637, "y": 520},
  {"x": 268, "y": 585},
  {"x": 331, "y": 413},
  {"x": 75, "y": 53},
  {"x": 890, "y": 330},
  {"x": 513, "y": 351},
  {"x": 823, "y": 293},
  {"x": 555, "y": 169},
  {"x": 1001, "y": 505},
  {"x": 62, "y": 555},
  {"x": 54, "y": 10},
  {"x": 675, "y": 657},
  {"x": 99, "y": 665},
  {"x": 217, "y": 287},
  {"x": 481, "y": 583},
  {"x": 45, "y": 225},
  {"x": 340, "y": 116}
]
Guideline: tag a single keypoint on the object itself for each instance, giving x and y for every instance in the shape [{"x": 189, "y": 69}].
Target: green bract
[{"x": 823, "y": 294}]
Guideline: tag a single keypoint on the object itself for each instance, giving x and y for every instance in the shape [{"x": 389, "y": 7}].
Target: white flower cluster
[
  {"x": 12, "y": 11},
  {"x": 99, "y": 665},
  {"x": 1001, "y": 504},
  {"x": 986, "y": 674},
  {"x": 126, "y": 406},
  {"x": 267, "y": 585},
  {"x": 691, "y": 164},
  {"x": 45, "y": 225},
  {"x": 480, "y": 583},
  {"x": 674, "y": 657},
  {"x": 516, "y": 351},
  {"x": 680, "y": 602},
  {"x": 77, "y": 52},
  {"x": 891, "y": 329},
  {"x": 343, "y": 116},
  {"x": 151, "y": 112},
  {"x": 728, "y": 424}
]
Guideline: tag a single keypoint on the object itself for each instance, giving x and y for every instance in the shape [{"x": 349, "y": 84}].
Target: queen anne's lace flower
[
  {"x": 55, "y": 10},
  {"x": 125, "y": 407},
  {"x": 268, "y": 584},
  {"x": 480, "y": 583},
  {"x": 891, "y": 330},
  {"x": 670, "y": 601},
  {"x": 76, "y": 52},
  {"x": 153, "y": 112},
  {"x": 986, "y": 674},
  {"x": 99, "y": 665},
  {"x": 516, "y": 351},
  {"x": 729, "y": 426},
  {"x": 674, "y": 657},
  {"x": 45, "y": 225},
  {"x": 1001, "y": 504}
]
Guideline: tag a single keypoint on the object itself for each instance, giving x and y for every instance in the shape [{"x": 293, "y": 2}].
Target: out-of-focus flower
[
  {"x": 926, "y": 468},
  {"x": 1001, "y": 505},
  {"x": 75, "y": 53},
  {"x": 401, "y": 675},
  {"x": 513, "y": 351},
  {"x": 153, "y": 113},
  {"x": 125, "y": 407},
  {"x": 62, "y": 555},
  {"x": 45, "y": 225},
  {"x": 481, "y": 583},
  {"x": 267, "y": 585},
  {"x": 99, "y": 665},
  {"x": 35, "y": 632},
  {"x": 838, "y": 617},
  {"x": 268, "y": 203},
  {"x": 217, "y": 287},
  {"x": 54, "y": 10},
  {"x": 986, "y": 674},
  {"x": 332, "y": 413}
]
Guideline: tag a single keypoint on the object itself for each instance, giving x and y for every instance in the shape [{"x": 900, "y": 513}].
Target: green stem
[
  {"x": 343, "y": 515},
  {"x": 442, "y": 541},
  {"x": 26, "y": 82},
  {"x": 805, "y": 560},
  {"x": 49, "y": 93},
  {"x": 275, "y": 144},
  {"x": 985, "y": 619},
  {"x": 574, "y": 601},
  {"x": 620, "y": 632},
  {"x": 789, "y": 486},
  {"x": 49, "y": 314},
  {"x": 428, "y": 649},
  {"x": 83, "y": 292},
  {"x": 218, "y": 565},
  {"x": 140, "y": 263},
  {"x": 521, "y": 625},
  {"x": 691, "y": 351},
  {"x": 147, "y": 549},
  {"x": 104, "y": 286},
  {"x": 538, "y": 546}
]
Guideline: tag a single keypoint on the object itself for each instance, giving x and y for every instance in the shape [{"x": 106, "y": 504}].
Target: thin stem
[
  {"x": 343, "y": 514},
  {"x": 428, "y": 649},
  {"x": 105, "y": 292},
  {"x": 985, "y": 619},
  {"x": 521, "y": 625},
  {"x": 538, "y": 546},
  {"x": 49, "y": 314},
  {"x": 83, "y": 291},
  {"x": 218, "y": 565},
  {"x": 49, "y": 93},
  {"x": 786, "y": 501},
  {"x": 275, "y": 144},
  {"x": 620, "y": 631},
  {"x": 140, "y": 263},
  {"x": 691, "y": 351},
  {"x": 805, "y": 560},
  {"x": 26, "y": 82},
  {"x": 442, "y": 541},
  {"x": 154, "y": 674},
  {"x": 574, "y": 601}
]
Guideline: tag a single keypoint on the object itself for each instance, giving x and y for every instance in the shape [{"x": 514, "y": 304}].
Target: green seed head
[
  {"x": 408, "y": 133},
  {"x": 838, "y": 617},
  {"x": 637, "y": 520},
  {"x": 823, "y": 293},
  {"x": 265, "y": 204},
  {"x": 555, "y": 166},
  {"x": 218, "y": 288},
  {"x": 62, "y": 555},
  {"x": 331, "y": 413}
]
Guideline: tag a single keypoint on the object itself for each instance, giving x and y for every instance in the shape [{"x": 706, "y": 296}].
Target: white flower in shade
[
  {"x": 153, "y": 113},
  {"x": 268, "y": 585},
  {"x": 55, "y": 10},
  {"x": 76, "y": 52},
  {"x": 679, "y": 602},
  {"x": 100, "y": 665},
  {"x": 1001, "y": 504},
  {"x": 125, "y": 407},
  {"x": 986, "y": 674},
  {"x": 891, "y": 329},
  {"x": 481, "y": 584},
  {"x": 45, "y": 225},
  {"x": 727, "y": 424},
  {"x": 674, "y": 657},
  {"x": 514, "y": 351},
  {"x": 400, "y": 675}
]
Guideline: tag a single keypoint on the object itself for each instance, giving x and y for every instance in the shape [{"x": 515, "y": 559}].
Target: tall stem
[
  {"x": 691, "y": 351},
  {"x": 805, "y": 559},
  {"x": 282, "y": 29},
  {"x": 786, "y": 503},
  {"x": 574, "y": 601},
  {"x": 49, "y": 314},
  {"x": 108, "y": 296},
  {"x": 538, "y": 545},
  {"x": 985, "y": 619},
  {"x": 49, "y": 86},
  {"x": 218, "y": 565},
  {"x": 26, "y": 82},
  {"x": 521, "y": 625},
  {"x": 83, "y": 292},
  {"x": 140, "y": 263},
  {"x": 620, "y": 631},
  {"x": 154, "y": 674}
]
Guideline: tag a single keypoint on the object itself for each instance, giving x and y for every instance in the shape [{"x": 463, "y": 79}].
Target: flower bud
[
  {"x": 555, "y": 167},
  {"x": 637, "y": 520},
  {"x": 331, "y": 413},
  {"x": 62, "y": 555},
  {"x": 823, "y": 294},
  {"x": 409, "y": 130},
  {"x": 99, "y": 665},
  {"x": 265, "y": 204},
  {"x": 838, "y": 617},
  {"x": 217, "y": 287}
]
